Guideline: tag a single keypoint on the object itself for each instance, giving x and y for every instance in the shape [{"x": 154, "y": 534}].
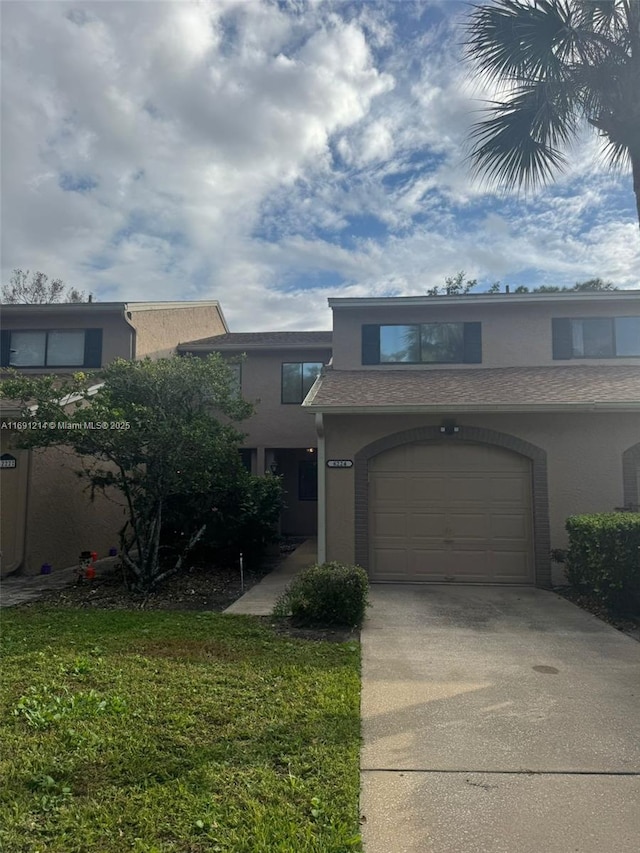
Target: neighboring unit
[{"x": 47, "y": 515}]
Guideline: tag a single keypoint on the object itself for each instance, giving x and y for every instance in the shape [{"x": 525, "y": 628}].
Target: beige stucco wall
[
  {"x": 584, "y": 459},
  {"x": 160, "y": 330},
  {"x": 275, "y": 424},
  {"x": 61, "y": 518},
  {"x": 13, "y": 502},
  {"x": 514, "y": 334}
]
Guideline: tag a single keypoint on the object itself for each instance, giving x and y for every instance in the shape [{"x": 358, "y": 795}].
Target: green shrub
[
  {"x": 330, "y": 594},
  {"x": 604, "y": 558},
  {"x": 242, "y": 517}
]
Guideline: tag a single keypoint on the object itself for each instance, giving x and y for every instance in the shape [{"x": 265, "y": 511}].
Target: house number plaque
[
  {"x": 7, "y": 461},
  {"x": 339, "y": 463}
]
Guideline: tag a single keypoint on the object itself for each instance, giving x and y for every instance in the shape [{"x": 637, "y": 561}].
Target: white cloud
[{"x": 233, "y": 149}]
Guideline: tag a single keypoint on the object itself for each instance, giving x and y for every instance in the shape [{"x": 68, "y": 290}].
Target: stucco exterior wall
[
  {"x": 276, "y": 424},
  {"x": 159, "y": 331},
  {"x": 514, "y": 334},
  {"x": 61, "y": 518},
  {"x": 584, "y": 462},
  {"x": 13, "y": 502}
]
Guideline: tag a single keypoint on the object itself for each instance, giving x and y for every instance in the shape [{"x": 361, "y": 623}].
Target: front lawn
[{"x": 187, "y": 732}]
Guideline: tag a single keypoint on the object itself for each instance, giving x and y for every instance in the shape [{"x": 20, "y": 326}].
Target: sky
[{"x": 271, "y": 155}]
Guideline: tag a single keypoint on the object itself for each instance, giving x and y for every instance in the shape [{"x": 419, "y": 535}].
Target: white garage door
[{"x": 450, "y": 512}]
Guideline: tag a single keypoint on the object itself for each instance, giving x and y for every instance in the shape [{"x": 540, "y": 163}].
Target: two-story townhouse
[
  {"x": 456, "y": 434},
  {"x": 47, "y": 515},
  {"x": 276, "y": 370}
]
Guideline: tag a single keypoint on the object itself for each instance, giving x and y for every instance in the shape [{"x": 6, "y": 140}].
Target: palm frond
[
  {"x": 519, "y": 143},
  {"x": 606, "y": 17},
  {"x": 511, "y": 39}
]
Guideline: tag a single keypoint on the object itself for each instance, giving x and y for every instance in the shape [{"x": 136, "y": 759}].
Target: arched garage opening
[{"x": 470, "y": 507}]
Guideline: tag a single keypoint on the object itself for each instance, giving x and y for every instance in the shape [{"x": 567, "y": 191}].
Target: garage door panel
[
  {"x": 428, "y": 565},
  {"x": 451, "y": 512},
  {"x": 426, "y": 488},
  {"x": 511, "y": 567},
  {"x": 391, "y": 564},
  {"x": 509, "y": 527},
  {"x": 508, "y": 488},
  {"x": 469, "y": 565},
  {"x": 466, "y": 488},
  {"x": 386, "y": 524},
  {"x": 468, "y": 525},
  {"x": 423, "y": 525},
  {"x": 386, "y": 489}
]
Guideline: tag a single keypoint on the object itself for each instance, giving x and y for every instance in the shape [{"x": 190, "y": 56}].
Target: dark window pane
[
  {"x": 442, "y": 342},
  {"x": 399, "y": 344},
  {"x": 592, "y": 337},
  {"x": 27, "y": 349},
  {"x": 292, "y": 383},
  {"x": 307, "y": 480},
  {"x": 65, "y": 348},
  {"x": 236, "y": 381},
  {"x": 246, "y": 457},
  {"x": 627, "y": 335},
  {"x": 310, "y": 372}
]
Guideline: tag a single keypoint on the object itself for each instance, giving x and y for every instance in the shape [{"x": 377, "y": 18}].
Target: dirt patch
[
  {"x": 332, "y": 635},
  {"x": 199, "y": 588},
  {"x": 630, "y": 624}
]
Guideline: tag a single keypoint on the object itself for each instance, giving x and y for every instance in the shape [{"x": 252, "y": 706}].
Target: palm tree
[{"x": 564, "y": 62}]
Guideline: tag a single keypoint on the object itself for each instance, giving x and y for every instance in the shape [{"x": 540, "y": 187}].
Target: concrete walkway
[
  {"x": 20, "y": 589},
  {"x": 261, "y": 598},
  {"x": 497, "y": 720}
]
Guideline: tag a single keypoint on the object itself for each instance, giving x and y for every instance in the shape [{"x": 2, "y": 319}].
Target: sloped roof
[
  {"x": 259, "y": 340},
  {"x": 488, "y": 389}
]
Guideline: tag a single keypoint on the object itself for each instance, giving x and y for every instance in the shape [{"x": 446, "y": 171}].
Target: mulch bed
[
  {"x": 200, "y": 588},
  {"x": 630, "y": 624}
]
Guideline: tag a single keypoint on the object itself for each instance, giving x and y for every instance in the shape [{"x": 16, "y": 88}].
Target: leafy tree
[
  {"x": 171, "y": 429},
  {"x": 565, "y": 63},
  {"x": 592, "y": 285},
  {"x": 37, "y": 290},
  {"x": 456, "y": 285}
]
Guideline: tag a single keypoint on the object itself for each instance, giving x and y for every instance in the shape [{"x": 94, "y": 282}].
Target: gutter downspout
[
  {"x": 322, "y": 491},
  {"x": 126, "y": 316}
]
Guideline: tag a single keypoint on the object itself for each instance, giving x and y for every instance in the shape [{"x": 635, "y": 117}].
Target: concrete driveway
[{"x": 497, "y": 720}]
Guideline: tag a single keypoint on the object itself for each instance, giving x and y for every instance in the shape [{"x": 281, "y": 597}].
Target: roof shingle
[
  {"x": 508, "y": 387},
  {"x": 233, "y": 340}
]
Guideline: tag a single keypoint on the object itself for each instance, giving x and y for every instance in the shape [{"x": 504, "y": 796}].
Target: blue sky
[{"x": 274, "y": 154}]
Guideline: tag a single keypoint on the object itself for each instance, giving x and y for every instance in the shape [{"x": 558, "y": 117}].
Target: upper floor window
[
  {"x": 52, "y": 348},
  {"x": 424, "y": 343},
  {"x": 596, "y": 337},
  {"x": 297, "y": 379},
  {"x": 235, "y": 369}
]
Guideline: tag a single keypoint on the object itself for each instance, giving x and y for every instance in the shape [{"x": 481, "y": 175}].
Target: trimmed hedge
[
  {"x": 328, "y": 594},
  {"x": 604, "y": 558}
]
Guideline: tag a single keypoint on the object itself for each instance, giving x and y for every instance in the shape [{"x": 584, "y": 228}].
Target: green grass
[{"x": 153, "y": 732}]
